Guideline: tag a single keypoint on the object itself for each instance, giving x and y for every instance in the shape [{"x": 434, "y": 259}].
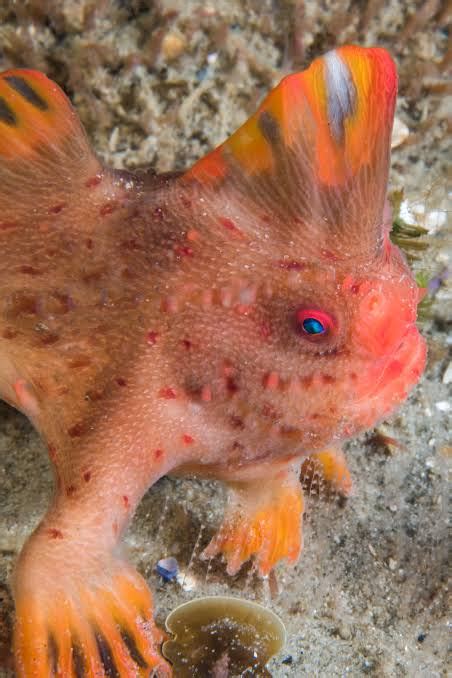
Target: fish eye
[{"x": 314, "y": 323}]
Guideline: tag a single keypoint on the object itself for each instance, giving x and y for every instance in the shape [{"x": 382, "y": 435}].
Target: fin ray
[
  {"x": 317, "y": 150},
  {"x": 44, "y": 151}
]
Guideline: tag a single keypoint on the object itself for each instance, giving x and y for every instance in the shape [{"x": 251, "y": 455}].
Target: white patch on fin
[{"x": 341, "y": 93}]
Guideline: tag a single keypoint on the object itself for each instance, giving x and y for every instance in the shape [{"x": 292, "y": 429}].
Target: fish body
[{"x": 231, "y": 321}]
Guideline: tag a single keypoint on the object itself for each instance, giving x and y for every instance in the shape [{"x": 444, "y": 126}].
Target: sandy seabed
[{"x": 160, "y": 83}]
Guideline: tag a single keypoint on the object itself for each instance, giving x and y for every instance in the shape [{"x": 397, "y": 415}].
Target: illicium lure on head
[{"x": 231, "y": 321}]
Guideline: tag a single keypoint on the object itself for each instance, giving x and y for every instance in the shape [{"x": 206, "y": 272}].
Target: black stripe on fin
[
  {"x": 134, "y": 652},
  {"x": 106, "y": 657},
  {"x": 7, "y": 115},
  {"x": 22, "y": 87},
  {"x": 78, "y": 663},
  {"x": 52, "y": 649}
]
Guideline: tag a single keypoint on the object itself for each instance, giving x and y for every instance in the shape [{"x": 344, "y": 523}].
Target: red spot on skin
[
  {"x": 167, "y": 393},
  {"x": 87, "y": 476},
  {"x": 186, "y": 202},
  {"x": 265, "y": 330},
  {"x": 231, "y": 385},
  {"x": 328, "y": 379},
  {"x": 290, "y": 265},
  {"x": 9, "y": 334},
  {"x": 353, "y": 376},
  {"x": 56, "y": 209},
  {"x": 230, "y": 226},
  {"x": 6, "y": 225},
  {"x": 125, "y": 501},
  {"x": 158, "y": 454},
  {"x": 187, "y": 439},
  {"x": 227, "y": 369},
  {"x": 76, "y": 431},
  {"x": 306, "y": 382},
  {"x": 271, "y": 381},
  {"x": 394, "y": 369},
  {"x": 89, "y": 243},
  {"x": 55, "y": 534},
  {"x": 108, "y": 208},
  {"x": 236, "y": 422},
  {"x": 29, "y": 270},
  {"x": 192, "y": 235},
  {"x": 206, "y": 394},
  {"x": 152, "y": 337},
  {"x": 93, "y": 181},
  {"x": 65, "y": 300},
  {"x": 169, "y": 305},
  {"x": 350, "y": 285},
  {"x": 71, "y": 490},
  {"x": 186, "y": 343},
  {"x": 183, "y": 251},
  {"x": 121, "y": 382},
  {"x": 49, "y": 339},
  {"x": 269, "y": 411}
]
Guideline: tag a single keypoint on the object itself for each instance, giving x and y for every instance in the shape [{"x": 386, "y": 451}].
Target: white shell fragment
[
  {"x": 447, "y": 376},
  {"x": 400, "y": 133}
]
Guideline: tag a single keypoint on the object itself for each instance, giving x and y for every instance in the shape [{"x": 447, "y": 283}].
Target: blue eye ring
[{"x": 314, "y": 323}]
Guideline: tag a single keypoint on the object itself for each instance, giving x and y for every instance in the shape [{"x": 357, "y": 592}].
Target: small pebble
[
  {"x": 344, "y": 631},
  {"x": 435, "y": 220},
  {"x": 287, "y": 660},
  {"x": 447, "y": 376},
  {"x": 443, "y": 406},
  {"x": 172, "y": 46}
]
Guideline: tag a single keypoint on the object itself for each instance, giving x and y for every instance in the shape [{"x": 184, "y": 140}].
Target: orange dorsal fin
[
  {"x": 44, "y": 152},
  {"x": 316, "y": 152}
]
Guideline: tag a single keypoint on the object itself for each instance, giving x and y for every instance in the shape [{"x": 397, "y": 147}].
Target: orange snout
[{"x": 385, "y": 317}]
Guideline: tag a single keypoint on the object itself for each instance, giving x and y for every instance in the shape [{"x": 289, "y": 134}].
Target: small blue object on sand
[{"x": 168, "y": 568}]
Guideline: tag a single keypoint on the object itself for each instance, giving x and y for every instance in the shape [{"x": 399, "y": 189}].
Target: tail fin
[
  {"x": 44, "y": 152},
  {"x": 317, "y": 150}
]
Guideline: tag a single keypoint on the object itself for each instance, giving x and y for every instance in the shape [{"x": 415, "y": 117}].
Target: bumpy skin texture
[{"x": 155, "y": 324}]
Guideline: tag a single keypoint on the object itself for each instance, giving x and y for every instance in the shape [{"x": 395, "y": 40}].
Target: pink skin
[{"x": 154, "y": 325}]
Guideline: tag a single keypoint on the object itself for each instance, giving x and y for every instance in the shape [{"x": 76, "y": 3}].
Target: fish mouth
[{"x": 388, "y": 382}]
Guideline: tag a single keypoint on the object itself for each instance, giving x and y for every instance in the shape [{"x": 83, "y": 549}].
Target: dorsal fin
[
  {"x": 316, "y": 152},
  {"x": 44, "y": 152}
]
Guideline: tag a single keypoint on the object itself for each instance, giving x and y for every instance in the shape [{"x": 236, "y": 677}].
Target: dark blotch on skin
[
  {"x": 53, "y": 654},
  {"x": 134, "y": 652},
  {"x": 27, "y": 92},
  {"x": 77, "y": 661},
  {"x": 7, "y": 115},
  {"x": 106, "y": 657},
  {"x": 269, "y": 128}
]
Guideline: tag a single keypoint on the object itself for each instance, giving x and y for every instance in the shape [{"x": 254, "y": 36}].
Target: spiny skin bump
[{"x": 232, "y": 321}]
